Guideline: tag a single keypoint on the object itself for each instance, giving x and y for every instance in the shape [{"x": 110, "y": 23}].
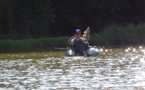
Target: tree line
[{"x": 23, "y": 19}]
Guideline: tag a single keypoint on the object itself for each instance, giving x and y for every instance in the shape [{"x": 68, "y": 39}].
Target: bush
[{"x": 120, "y": 35}]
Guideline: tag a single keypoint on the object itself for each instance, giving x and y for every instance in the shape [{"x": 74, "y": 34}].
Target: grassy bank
[
  {"x": 32, "y": 44},
  {"x": 112, "y": 35}
]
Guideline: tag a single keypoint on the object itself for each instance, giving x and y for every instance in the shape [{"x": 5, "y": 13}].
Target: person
[{"x": 80, "y": 44}]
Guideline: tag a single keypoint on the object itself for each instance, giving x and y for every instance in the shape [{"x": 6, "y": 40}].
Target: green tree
[{"x": 34, "y": 17}]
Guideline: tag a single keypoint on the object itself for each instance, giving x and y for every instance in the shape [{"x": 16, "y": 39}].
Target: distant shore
[{"x": 111, "y": 36}]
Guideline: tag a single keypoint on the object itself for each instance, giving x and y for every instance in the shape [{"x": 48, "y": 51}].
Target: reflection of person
[{"x": 80, "y": 44}]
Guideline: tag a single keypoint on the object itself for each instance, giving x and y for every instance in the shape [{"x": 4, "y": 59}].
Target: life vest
[
  {"x": 86, "y": 43},
  {"x": 79, "y": 45}
]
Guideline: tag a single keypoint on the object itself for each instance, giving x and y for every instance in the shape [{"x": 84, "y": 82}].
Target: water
[{"x": 113, "y": 69}]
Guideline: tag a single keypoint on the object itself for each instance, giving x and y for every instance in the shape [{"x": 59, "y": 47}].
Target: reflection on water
[{"x": 113, "y": 69}]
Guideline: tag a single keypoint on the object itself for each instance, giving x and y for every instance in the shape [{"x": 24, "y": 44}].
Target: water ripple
[{"x": 115, "y": 69}]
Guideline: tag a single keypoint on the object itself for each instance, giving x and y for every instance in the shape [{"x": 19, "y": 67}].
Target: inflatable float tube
[{"x": 92, "y": 51}]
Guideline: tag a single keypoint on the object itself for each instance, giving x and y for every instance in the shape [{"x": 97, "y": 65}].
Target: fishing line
[
  {"x": 103, "y": 40},
  {"x": 94, "y": 41}
]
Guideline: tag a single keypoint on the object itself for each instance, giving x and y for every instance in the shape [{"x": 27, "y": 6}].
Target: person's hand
[{"x": 69, "y": 41}]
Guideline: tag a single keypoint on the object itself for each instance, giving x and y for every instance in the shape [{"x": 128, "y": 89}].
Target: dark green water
[{"x": 113, "y": 69}]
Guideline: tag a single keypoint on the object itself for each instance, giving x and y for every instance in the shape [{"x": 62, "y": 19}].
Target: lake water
[{"x": 113, "y": 69}]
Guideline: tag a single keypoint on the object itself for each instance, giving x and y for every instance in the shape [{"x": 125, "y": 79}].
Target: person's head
[{"x": 77, "y": 33}]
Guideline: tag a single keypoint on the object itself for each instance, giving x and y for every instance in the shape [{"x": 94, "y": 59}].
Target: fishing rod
[
  {"x": 60, "y": 48},
  {"x": 67, "y": 48}
]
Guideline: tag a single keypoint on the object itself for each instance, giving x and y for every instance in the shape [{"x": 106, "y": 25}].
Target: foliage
[
  {"x": 26, "y": 19},
  {"x": 112, "y": 35},
  {"x": 122, "y": 35}
]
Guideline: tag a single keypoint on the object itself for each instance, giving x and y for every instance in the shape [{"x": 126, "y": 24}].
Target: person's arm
[
  {"x": 69, "y": 41},
  {"x": 88, "y": 33}
]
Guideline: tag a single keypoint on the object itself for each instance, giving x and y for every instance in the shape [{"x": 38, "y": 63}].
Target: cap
[{"x": 77, "y": 31}]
